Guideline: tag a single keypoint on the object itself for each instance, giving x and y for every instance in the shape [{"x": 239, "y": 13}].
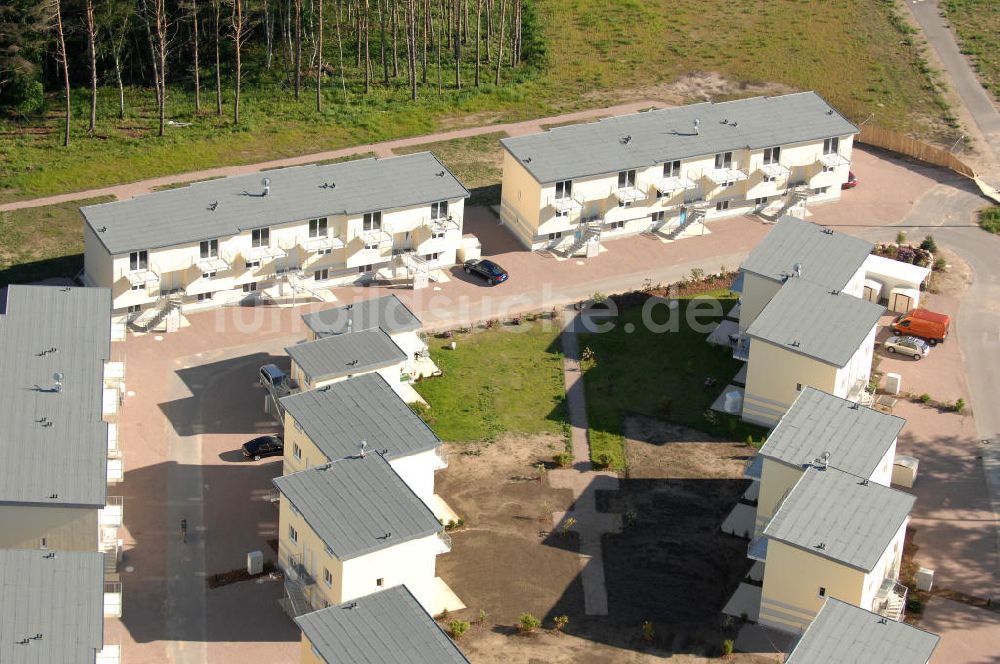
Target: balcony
[
  {"x": 116, "y": 465},
  {"x": 377, "y": 237},
  {"x": 890, "y": 600},
  {"x": 112, "y": 599},
  {"x": 113, "y": 513},
  {"x": 859, "y": 394},
  {"x": 758, "y": 549},
  {"x": 753, "y": 467},
  {"x": 445, "y": 224},
  {"x": 728, "y": 174},
  {"x": 265, "y": 254},
  {"x": 317, "y": 244},
  {"x": 441, "y": 458},
  {"x": 212, "y": 264},
  {"x": 142, "y": 276},
  {"x": 111, "y": 547},
  {"x": 443, "y": 542},
  {"x": 833, "y": 160},
  {"x": 741, "y": 348},
  {"x": 297, "y": 572},
  {"x": 566, "y": 204},
  {"x": 776, "y": 171},
  {"x": 111, "y": 653},
  {"x": 673, "y": 184},
  {"x": 632, "y": 194}
]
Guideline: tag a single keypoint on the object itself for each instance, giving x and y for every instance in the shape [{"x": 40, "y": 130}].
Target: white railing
[
  {"x": 444, "y": 224},
  {"x": 112, "y": 515},
  {"x": 630, "y": 194},
  {"x": 566, "y": 203},
  {"x": 674, "y": 183},
  {"x": 727, "y": 174},
  {"x": 775, "y": 170},
  {"x": 890, "y": 601},
  {"x": 112, "y": 599},
  {"x": 444, "y": 542}
]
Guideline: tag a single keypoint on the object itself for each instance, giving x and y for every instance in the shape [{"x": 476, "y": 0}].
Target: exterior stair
[
  {"x": 297, "y": 599},
  {"x": 589, "y": 231},
  {"x": 796, "y": 195},
  {"x": 164, "y": 306}
]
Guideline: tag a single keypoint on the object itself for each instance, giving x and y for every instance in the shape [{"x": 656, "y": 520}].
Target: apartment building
[
  {"x": 843, "y": 632},
  {"x": 386, "y": 627},
  {"x": 51, "y": 607},
  {"x": 327, "y": 360},
  {"x": 352, "y": 527},
  {"x": 340, "y": 419},
  {"x": 669, "y": 171},
  {"x": 292, "y": 233}
]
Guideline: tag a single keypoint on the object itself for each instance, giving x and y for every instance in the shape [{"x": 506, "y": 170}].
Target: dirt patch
[
  {"x": 955, "y": 279},
  {"x": 695, "y": 87}
]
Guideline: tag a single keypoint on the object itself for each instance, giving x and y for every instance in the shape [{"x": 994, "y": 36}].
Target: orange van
[{"x": 924, "y": 324}]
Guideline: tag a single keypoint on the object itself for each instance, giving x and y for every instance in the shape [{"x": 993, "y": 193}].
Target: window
[
  {"x": 365, "y": 268},
  {"x": 43, "y": 543},
  {"x": 437, "y": 235},
  {"x": 297, "y": 451},
  {"x": 293, "y": 534},
  {"x": 380, "y": 582},
  {"x": 439, "y": 210},
  {"x": 822, "y": 591},
  {"x": 327, "y": 578},
  {"x": 721, "y": 205},
  {"x": 616, "y": 225},
  {"x": 252, "y": 264},
  {"x": 324, "y": 252},
  {"x": 208, "y": 275},
  {"x": 829, "y": 169},
  {"x": 562, "y": 214},
  {"x": 432, "y": 257},
  {"x": 798, "y": 387},
  {"x": 820, "y": 190},
  {"x": 250, "y": 287},
  {"x": 136, "y": 287},
  {"x": 728, "y": 184},
  {"x": 372, "y": 221},
  {"x": 138, "y": 260},
  {"x": 772, "y": 155},
  {"x": 202, "y": 297},
  {"x": 724, "y": 160},
  {"x": 760, "y": 201},
  {"x": 555, "y": 236},
  {"x": 321, "y": 275},
  {"x": 672, "y": 169},
  {"x": 317, "y": 227},
  {"x": 831, "y": 145},
  {"x": 209, "y": 249},
  {"x": 134, "y": 308},
  {"x": 626, "y": 179},
  {"x": 564, "y": 189},
  {"x": 770, "y": 178},
  {"x": 624, "y": 204},
  {"x": 657, "y": 216},
  {"x": 373, "y": 245},
  {"x": 260, "y": 237}
]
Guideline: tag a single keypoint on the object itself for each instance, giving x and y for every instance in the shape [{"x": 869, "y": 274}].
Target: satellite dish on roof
[
  {"x": 57, "y": 377},
  {"x": 267, "y": 185}
]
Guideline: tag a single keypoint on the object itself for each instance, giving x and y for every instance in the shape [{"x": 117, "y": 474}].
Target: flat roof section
[
  {"x": 387, "y": 312},
  {"x": 333, "y": 357},
  {"x": 641, "y": 140},
  {"x": 53, "y": 440},
  {"x": 227, "y": 206}
]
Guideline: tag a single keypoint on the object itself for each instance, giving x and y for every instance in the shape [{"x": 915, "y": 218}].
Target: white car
[{"x": 912, "y": 346}]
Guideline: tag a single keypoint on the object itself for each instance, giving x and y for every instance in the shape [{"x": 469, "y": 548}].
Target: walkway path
[
  {"x": 384, "y": 149},
  {"x": 583, "y": 480}
]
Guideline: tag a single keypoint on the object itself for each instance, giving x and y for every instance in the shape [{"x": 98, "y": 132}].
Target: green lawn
[
  {"x": 857, "y": 53},
  {"x": 38, "y": 243},
  {"x": 659, "y": 375},
  {"x": 476, "y": 161},
  {"x": 977, "y": 23},
  {"x": 502, "y": 380}
]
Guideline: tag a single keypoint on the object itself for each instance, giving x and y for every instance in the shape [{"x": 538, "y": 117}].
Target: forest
[{"x": 309, "y": 51}]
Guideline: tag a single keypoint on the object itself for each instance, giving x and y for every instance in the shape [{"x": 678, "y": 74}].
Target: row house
[
  {"x": 669, "y": 171},
  {"x": 291, "y": 233},
  {"x": 60, "y": 448}
]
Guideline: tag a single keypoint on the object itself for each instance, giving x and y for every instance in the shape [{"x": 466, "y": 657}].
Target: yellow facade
[
  {"x": 309, "y": 655},
  {"x": 774, "y": 375},
  {"x": 776, "y": 480},
  {"x": 63, "y": 528}
]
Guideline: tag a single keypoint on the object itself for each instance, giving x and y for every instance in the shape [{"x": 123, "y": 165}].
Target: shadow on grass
[{"x": 63, "y": 267}]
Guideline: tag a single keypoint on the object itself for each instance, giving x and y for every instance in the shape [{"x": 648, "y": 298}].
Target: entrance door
[
  {"x": 901, "y": 303},
  {"x": 683, "y": 217}
]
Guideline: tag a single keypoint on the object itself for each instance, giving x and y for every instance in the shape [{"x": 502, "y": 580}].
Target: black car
[
  {"x": 488, "y": 270},
  {"x": 264, "y": 446}
]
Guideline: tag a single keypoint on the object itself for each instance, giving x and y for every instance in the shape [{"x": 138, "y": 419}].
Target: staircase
[
  {"x": 152, "y": 317},
  {"x": 693, "y": 216},
  {"x": 589, "y": 231},
  {"x": 298, "y": 285},
  {"x": 796, "y": 195},
  {"x": 890, "y": 601},
  {"x": 297, "y": 599}
]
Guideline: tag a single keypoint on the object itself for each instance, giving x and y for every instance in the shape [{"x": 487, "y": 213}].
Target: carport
[{"x": 893, "y": 283}]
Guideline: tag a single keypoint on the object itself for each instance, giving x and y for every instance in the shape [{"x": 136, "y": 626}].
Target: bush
[
  {"x": 925, "y": 398},
  {"x": 905, "y": 255},
  {"x": 567, "y": 526},
  {"x": 24, "y": 96},
  {"x": 457, "y": 628},
  {"x": 900, "y": 237},
  {"x": 697, "y": 273},
  {"x": 443, "y": 615},
  {"x": 560, "y": 622},
  {"x": 602, "y": 461},
  {"x": 483, "y": 617},
  {"x": 914, "y": 605},
  {"x": 528, "y": 623},
  {"x": 563, "y": 459},
  {"x": 929, "y": 244},
  {"x": 989, "y": 219},
  {"x": 958, "y": 406},
  {"x": 940, "y": 264},
  {"x": 727, "y": 647}
]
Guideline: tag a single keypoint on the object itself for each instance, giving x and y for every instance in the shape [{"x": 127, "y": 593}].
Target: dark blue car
[{"x": 488, "y": 270}]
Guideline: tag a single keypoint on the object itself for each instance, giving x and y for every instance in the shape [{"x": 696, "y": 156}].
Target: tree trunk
[
  {"x": 425, "y": 27},
  {"x": 395, "y": 32},
  {"x": 479, "y": 26},
  {"x": 161, "y": 51},
  {"x": 116, "y": 56},
  {"x": 319, "y": 58},
  {"x": 367, "y": 58},
  {"x": 237, "y": 19},
  {"x": 268, "y": 35},
  {"x": 92, "y": 57},
  {"x": 65, "y": 67},
  {"x": 197, "y": 72},
  {"x": 218, "y": 65},
  {"x": 340, "y": 51},
  {"x": 385, "y": 60},
  {"x": 489, "y": 30},
  {"x": 437, "y": 35},
  {"x": 503, "y": 14},
  {"x": 411, "y": 45},
  {"x": 298, "y": 47},
  {"x": 457, "y": 28}
]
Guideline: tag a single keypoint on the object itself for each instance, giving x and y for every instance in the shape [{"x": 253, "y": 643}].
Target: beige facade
[
  {"x": 309, "y": 653},
  {"x": 48, "y": 527},
  {"x": 544, "y": 215}
]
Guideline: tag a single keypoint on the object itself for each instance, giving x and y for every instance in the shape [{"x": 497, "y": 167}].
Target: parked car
[
  {"x": 488, "y": 270},
  {"x": 271, "y": 376},
  {"x": 264, "y": 446},
  {"x": 912, "y": 346},
  {"x": 852, "y": 181},
  {"x": 930, "y": 326}
]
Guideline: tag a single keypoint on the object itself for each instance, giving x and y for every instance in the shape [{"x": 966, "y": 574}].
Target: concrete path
[
  {"x": 384, "y": 149},
  {"x": 589, "y": 523}
]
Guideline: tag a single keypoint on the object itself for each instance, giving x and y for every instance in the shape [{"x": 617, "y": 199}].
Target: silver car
[{"x": 912, "y": 346}]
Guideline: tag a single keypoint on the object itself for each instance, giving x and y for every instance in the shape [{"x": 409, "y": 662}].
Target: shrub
[
  {"x": 567, "y": 526},
  {"x": 958, "y": 406},
  {"x": 483, "y": 617},
  {"x": 648, "y": 632},
  {"x": 598, "y": 297},
  {"x": 925, "y": 398},
  {"x": 560, "y": 622},
  {"x": 697, "y": 273},
  {"x": 24, "y": 96},
  {"x": 989, "y": 219},
  {"x": 940, "y": 264},
  {"x": 443, "y": 615},
  {"x": 563, "y": 459},
  {"x": 528, "y": 623},
  {"x": 727, "y": 647},
  {"x": 900, "y": 237},
  {"x": 914, "y": 605},
  {"x": 905, "y": 255},
  {"x": 929, "y": 244},
  {"x": 602, "y": 461},
  {"x": 457, "y": 628}
]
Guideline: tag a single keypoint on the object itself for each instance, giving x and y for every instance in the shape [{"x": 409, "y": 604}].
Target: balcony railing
[
  {"x": 566, "y": 203},
  {"x": 673, "y": 184},
  {"x": 445, "y": 224},
  {"x": 834, "y": 160},
  {"x": 728, "y": 174},
  {"x": 265, "y": 253},
  {"x": 775, "y": 170},
  {"x": 376, "y": 236},
  {"x": 890, "y": 600},
  {"x": 113, "y": 513},
  {"x": 142, "y": 277},
  {"x": 297, "y": 572},
  {"x": 630, "y": 194},
  {"x": 323, "y": 243},
  {"x": 112, "y": 599},
  {"x": 741, "y": 348}
]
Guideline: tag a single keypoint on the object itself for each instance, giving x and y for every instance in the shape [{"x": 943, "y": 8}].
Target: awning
[{"x": 722, "y": 175}]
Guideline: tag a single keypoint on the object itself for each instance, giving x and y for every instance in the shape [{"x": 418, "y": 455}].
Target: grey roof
[
  {"x": 814, "y": 321},
  {"x": 184, "y": 215},
  {"x": 337, "y": 417},
  {"x": 58, "y": 595},
  {"x": 828, "y": 258},
  {"x": 387, "y": 627},
  {"x": 842, "y": 632},
  {"x": 853, "y": 519},
  {"x": 855, "y": 436},
  {"x": 346, "y": 354},
  {"x": 387, "y": 312},
  {"x": 654, "y": 137},
  {"x": 358, "y": 505},
  {"x": 54, "y": 443}
]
